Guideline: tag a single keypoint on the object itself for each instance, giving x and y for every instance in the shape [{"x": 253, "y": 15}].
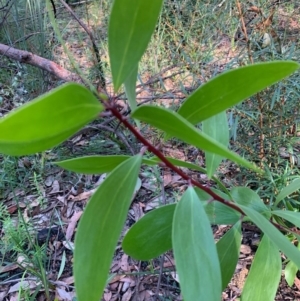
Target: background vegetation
[{"x": 193, "y": 42}]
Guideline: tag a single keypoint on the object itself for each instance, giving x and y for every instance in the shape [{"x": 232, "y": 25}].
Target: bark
[{"x": 40, "y": 62}]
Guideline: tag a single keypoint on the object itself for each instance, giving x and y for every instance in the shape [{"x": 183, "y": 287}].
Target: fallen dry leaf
[
  {"x": 107, "y": 296},
  {"x": 62, "y": 295},
  {"x": 124, "y": 263},
  {"x": 82, "y": 196},
  {"x": 72, "y": 224},
  {"x": 127, "y": 295},
  {"x": 25, "y": 285},
  {"x": 55, "y": 187}
]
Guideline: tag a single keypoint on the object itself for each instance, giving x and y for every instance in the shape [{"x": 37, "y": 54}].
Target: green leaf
[
  {"x": 151, "y": 236},
  {"x": 131, "y": 25},
  {"x": 130, "y": 86},
  {"x": 247, "y": 197},
  {"x": 175, "y": 125},
  {"x": 96, "y": 164},
  {"x": 274, "y": 234},
  {"x": 291, "y": 216},
  {"x": 92, "y": 164},
  {"x": 218, "y": 213},
  {"x": 48, "y": 120},
  {"x": 228, "y": 248},
  {"x": 264, "y": 276},
  {"x": 100, "y": 227},
  {"x": 294, "y": 186},
  {"x": 290, "y": 271},
  {"x": 215, "y": 127},
  {"x": 195, "y": 251},
  {"x": 231, "y": 87}
]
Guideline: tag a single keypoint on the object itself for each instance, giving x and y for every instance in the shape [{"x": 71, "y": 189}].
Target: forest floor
[{"x": 41, "y": 204}]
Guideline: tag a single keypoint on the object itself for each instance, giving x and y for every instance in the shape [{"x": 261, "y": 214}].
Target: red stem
[
  {"x": 110, "y": 106},
  {"x": 161, "y": 156}
]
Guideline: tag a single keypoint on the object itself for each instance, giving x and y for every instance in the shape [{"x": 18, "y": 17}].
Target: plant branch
[
  {"x": 161, "y": 156},
  {"x": 27, "y": 57}
]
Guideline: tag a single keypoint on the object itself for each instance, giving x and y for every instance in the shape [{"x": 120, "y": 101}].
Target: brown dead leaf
[
  {"x": 138, "y": 211},
  {"x": 55, "y": 187},
  {"x": 167, "y": 178},
  {"x": 127, "y": 295},
  {"x": 297, "y": 283},
  {"x": 72, "y": 225},
  {"x": 124, "y": 263},
  {"x": 25, "y": 285},
  {"x": 68, "y": 280},
  {"x": 7, "y": 268},
  {"x": 62, "y": 295},
  {"x": 254, "y": 9},
  {"x": 107, "y": 296},
  {"x": 82, "y": 196},
  {"x": 245, "y": 249}
]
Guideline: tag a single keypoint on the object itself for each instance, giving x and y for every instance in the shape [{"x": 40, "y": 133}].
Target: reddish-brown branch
[
  {"x": 27, "y": 57},
  {"x": 160, "y": 155}
]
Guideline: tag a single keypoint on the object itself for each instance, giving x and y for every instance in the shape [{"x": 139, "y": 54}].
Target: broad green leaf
[
  {"x": 294, "y": 186},
  {"x": 131, "y": 25},
  {"x": 290, "y": 271},
  {"x": 96, "y": 164},
  {"x": 274, "y": 234},
  {"x": 291, "y": 216},
  {"x": 92, "y": 164},
  {"x": 215, "y": 127},
  {"x": 218, "y": 213},
  {"x": 195, "y": 251},
  {"x": 151, "y": 236},
  {"x": 264, "y": 276},
  {"x": 48, "y": 120},
  {"x": 100, "y": 227},
  {"x": 247, "y": 197},
  {"x": 231, "y": 87},
  {"x": 130, "y": 86},
  {"x": 175, "y": 125},
  {"x": 228, "y": 248}
]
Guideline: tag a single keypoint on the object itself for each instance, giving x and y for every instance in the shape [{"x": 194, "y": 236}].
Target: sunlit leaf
[
  {"x": 215, "y": 127},
  {"x": 151, "y": 236},
  {"x": 264, "y": 276},
  {"x": 274, "y": 234},
  {"x": 195, "y": 251},
  {"x": 48, "y": 120},
  {"x": 231, "y": 87},
  {"x": 175, "y": 125},
  {"x": 100, "y": 227},
  {"x": 131, "y": 25},
  {"x": 228, "y": 248},
  {"x": 294, "y": 186}
]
